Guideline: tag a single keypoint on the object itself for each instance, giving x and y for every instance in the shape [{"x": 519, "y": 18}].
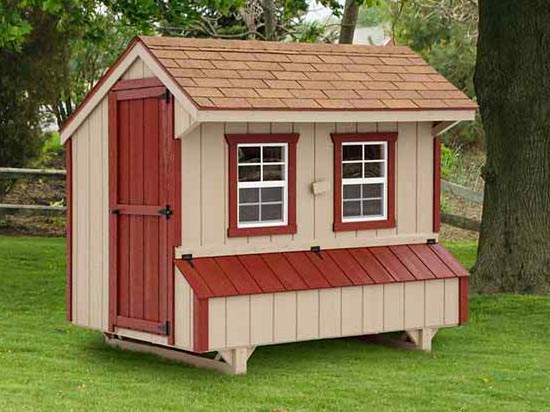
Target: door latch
[{"x": 166, "y": 212}]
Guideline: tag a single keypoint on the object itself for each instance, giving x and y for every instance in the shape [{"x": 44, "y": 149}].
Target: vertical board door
[{"x": 144, "y": 211}]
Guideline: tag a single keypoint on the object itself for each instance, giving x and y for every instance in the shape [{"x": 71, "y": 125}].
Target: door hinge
[
  {"x": 189, "y": 259},
  {"x": 166, "y": 212},
  {"x": 115, "y": 211},
  {"x": 165, "y": 96},
  {"x": 165, "y": 328}
]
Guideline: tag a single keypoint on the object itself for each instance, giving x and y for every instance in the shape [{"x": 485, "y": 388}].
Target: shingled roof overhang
[{"x": 228, "y": 80}]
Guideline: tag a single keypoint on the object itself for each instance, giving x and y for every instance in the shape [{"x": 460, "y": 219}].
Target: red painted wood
[
  {"x": 238, "y": 274},
  {"x": 69, "y": 229},
  {"x": 306, "y": 270},
  {"x": 137, "y": 83},
  {"x": 369, "y": 263},
  {"x": 418, "y": 269},
  {"x": 233, "y": 140},
  {"x": 174, "y": 195},
  {"x": 123, "y": 196},
  {"x": 151, "y": 163},
  {"x": 194, "y": 279},
  {"x": 200, "y": 324},
  {"x": 463, "y": 308},
  {"x": 139, "y": 324},
  {"x": 432, "y": 261},
  {"x": 145, "y": 178},
  {"x": 449, "y": 260},
  {"x": 390, "y": 262},
  {"x": 262, "y": 274},
  {"x": 113, "y": 200},
  {"x": 136, "y": 197},
  {"x": 330, "y": 270},
  {"x": 437, "y": 185},
  {"x": 289, "y": 274},
  {"x": 338, "y": 139},
  {"x": 350, "y": 266},
  {"x": 214, "y": 277},
  {"x": 140, "y": 94}
]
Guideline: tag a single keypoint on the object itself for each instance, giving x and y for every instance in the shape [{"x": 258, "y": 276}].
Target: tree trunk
[
  {"x": 349, "y": 21},
  {"x": 269, "y": 19},
  {"x": 512, "y": 82}
]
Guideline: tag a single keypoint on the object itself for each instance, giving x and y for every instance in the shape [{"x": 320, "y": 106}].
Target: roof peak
[{"x": 272, "y": 46}]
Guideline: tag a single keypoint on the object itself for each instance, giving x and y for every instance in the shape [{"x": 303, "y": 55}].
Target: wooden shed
[{"x": 229, "y": 194}]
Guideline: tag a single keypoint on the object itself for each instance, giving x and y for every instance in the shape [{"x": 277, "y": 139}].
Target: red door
[{"x": 144, "y": 206}]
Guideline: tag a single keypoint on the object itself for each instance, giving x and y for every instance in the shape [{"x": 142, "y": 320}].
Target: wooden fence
[{"x": 450, "y": 219}]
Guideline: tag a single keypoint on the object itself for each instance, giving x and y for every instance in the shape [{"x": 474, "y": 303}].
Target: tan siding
[
  {"x": 329, "y": 313},
  {"x": 204, "y": 149},
  {"x": 435, "y": 302},
  {"x": 307, "y": 314},
  {"x": 451, "y": 301},
  {"x": 135, "y": 71},
  {"x": 261, "y": 319}
]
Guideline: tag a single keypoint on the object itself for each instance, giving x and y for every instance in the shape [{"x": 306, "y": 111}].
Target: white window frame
[
  {"x": 261, "y": 184},
  {"x": 366, "y": 180}
]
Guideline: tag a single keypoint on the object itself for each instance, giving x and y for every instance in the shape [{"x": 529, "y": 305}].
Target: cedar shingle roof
[{"x": 231, "y": 74}]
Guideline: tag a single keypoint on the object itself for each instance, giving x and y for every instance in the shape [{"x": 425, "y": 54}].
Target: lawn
[{"x": 500, "y": 361}]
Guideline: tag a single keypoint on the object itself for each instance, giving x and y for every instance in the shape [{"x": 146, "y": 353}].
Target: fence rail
[{"x": 9, "y": 209}]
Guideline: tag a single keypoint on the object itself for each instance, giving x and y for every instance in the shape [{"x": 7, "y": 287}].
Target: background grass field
[{"x": 499, "y": 361}]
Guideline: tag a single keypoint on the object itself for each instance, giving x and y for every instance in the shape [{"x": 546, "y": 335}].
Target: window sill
[
  {"x": 368, "y": 225},
  {"x": 261, "y": 231}
]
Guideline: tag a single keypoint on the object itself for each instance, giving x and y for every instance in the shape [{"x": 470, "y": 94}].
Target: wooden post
[{"x": 422, "y": 338}]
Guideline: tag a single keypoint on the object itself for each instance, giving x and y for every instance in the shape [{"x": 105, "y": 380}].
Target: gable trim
[{"x": 134, "y": 51}]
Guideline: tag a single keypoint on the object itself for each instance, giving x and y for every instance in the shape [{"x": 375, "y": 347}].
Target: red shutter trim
[
  {"x": 113, "y": 221},
  {"x": 174, "y": 193},
  {"x": 69, "y": 228},
  {"x": 463, "y": 298},
  {"x": 233, "y": 140},
  {"x": 338, "y": 139},
  {"x": 200, "y": 324},
  {"x": 437, "y": 185}
]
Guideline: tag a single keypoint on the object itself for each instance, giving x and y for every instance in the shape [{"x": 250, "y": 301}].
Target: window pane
[
  {"x": 374, "y": 169},
  {"x": 352, "y": 209},
  {"x": 352, "y": 192},
  {"x": 249, "y": 173},
  {"x": 249, "y": 154},
  {"x": 372, "y": 207},
  {"x": 352, "y": 170},
  {"x": 273, "y": 154},
  {"x": 372, "y": 190},
  {"x": 350, "y": 152},
  {"x": 373, "y": 152},
  {"x": 272, "y": 212},
  {"x": 274, "y": 172},
  {"x": 249, "y": 213},
  {"x": 272, "y": 194},
  {"x": 249, "y": 195}
]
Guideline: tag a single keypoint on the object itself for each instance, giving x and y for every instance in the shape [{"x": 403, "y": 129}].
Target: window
[
  {"x": 364, "y": 181},
  {"x": 262, "y": 184}
]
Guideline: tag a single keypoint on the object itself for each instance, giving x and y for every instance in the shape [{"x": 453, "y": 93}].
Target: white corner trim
[{"x": 137, "y": 51}]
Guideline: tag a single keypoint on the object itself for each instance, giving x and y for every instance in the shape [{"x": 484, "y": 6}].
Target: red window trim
[
  {"x": 338, "y": 139},
  {"x": 233, "y": 140}
]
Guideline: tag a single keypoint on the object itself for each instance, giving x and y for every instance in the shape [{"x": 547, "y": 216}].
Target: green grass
[{"x": 500, "y": 361}]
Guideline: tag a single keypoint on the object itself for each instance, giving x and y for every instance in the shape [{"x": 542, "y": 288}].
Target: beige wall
[
  {"x": 328, "y": 313},
  {"x": 205, "y": 189}
]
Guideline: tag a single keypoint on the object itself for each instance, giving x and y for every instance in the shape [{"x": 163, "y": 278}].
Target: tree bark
[
  {"x": 512, "y": 81},
  {"x": 269, "y": 19},
  {"x": 349, "y": 21}
]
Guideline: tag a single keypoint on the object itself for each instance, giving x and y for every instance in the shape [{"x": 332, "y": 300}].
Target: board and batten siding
[
  {"x": 274, "y": 318},
  {"x": 205, "y": 189}
]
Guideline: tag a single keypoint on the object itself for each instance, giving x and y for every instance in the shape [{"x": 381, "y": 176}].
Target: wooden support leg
[
  {"x": 237, "y": 358},
  {"x": 231, "y": 361},
  {"x": 422, "y": 338}
]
